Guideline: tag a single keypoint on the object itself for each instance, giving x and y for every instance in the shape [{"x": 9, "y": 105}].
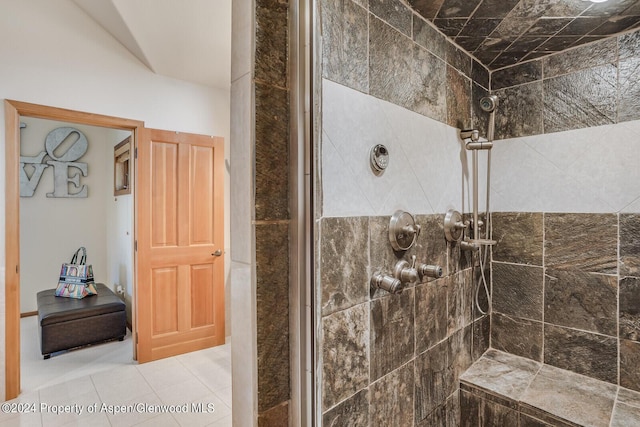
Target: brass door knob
[{"x": 217, "y": 253}]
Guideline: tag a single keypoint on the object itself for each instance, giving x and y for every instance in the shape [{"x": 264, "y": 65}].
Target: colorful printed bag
[{"x": 76, "y": 278}]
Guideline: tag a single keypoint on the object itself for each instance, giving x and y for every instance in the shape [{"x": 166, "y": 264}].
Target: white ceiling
[{"x": 185, "y": 39}]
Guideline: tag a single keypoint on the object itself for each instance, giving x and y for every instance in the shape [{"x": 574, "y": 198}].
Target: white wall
[
  {"x": 52, "y": 229},
  {"x": 51, "y": 53},
  {"x": 429, "y": 170},
  {"x": 585, "y": 170}
]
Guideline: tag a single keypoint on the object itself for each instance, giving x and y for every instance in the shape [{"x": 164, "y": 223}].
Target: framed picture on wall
[{"x": 121, "y": 167}]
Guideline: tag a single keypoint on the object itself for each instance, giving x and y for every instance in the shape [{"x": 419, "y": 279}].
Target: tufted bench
[{"x": 67, "y": 323}]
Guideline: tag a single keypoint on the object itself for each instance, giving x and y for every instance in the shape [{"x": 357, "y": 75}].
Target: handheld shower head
[{"x": 489, "y": 103}]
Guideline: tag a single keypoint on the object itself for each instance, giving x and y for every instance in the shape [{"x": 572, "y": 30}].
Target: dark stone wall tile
[
  {"x": 452, "y": 408},
  {"x": 630, "y": 245},
  {"x": 272, "y": 307},
  {"x": 437, "y": 417},
  {"x": 493, "y": 414},
  {"x": 585, "y": 242},
  {"x": 345, "y": 36},
  {"x": 458, "y": 59},
  {"x": 581, "y": 99},
  {"x": 481, "y": 337},
  {"x": 272, "y": 153},
  {"x": 469, "y": 409},
  {"x": 479, "y": 74},
  {"x": 630, "y": 308},
  {"x": 277, "y": 416},
  {"x": 629, "y": 45},
  {"x": 433, "y": 378},
  {"x": 392, "y": 398},
  {"x": 459, "y": 358},
  {"x": 510, "y": 29},
  {"x": 392, "y": 333},
  {"x": 629, "y": 89},
  {"x": 614, "y": 26},
  {"x": 518, "y": 290},
  {"x": 427, "y": 8},
  {"x": 457, "y": 8},
  {"x": 431, "y": 245},
  {"x": 431, "y": 317},
  {"x": 447, "y": 415},
  {"x": 517, "y": 336},
  {"x": 469, "y": 41},
  {"x": 520, "y": 111},
  {"x": 352, "y": 412},
  {"x": 428, "y": 85},
  {"x": 345, "y": 354},
  {"x": 405, "y": 74},
  {"x": 393, "y": 12},
  {"x": 518, "y": 74},
  {"x": 630, "y": 364},
  {"x": 593, "y": 55},
  {"x": 459, "y": 301},
  {"x": 495, "y": 8},
  {"x": 390, "y": 64},
  {"x": 581, "y": 300},
  {"x": 272, "y": 48},
  {"x": 458, "y": 99},
  {"x": 477, "y": 27},
  {"x": 519, "y": 237},
  {"x": 344, "y": 263},
  {"x": 582, "y": 352},
  {"x": 428, "y": 37}
]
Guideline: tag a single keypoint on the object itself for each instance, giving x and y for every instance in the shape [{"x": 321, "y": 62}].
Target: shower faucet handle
[
  {"x": 406, "y": 272},
  {"x": 387, "y": 283},
  {"x": 425, "y": 270}
]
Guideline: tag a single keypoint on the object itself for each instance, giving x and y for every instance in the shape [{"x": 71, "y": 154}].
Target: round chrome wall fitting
[
  {"x": 403, "y": 231},
  {"x": 453, "y": 225},
  {"x": 379, "y": 158}
]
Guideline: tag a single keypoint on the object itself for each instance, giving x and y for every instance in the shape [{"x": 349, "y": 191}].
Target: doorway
[
  {"x": 14, "y": 110},
  {"x": 56, "y": 218},
  {"x": 197, "y": 169}
]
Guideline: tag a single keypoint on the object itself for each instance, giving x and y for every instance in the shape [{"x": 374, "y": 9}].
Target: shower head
[{"x": 489, "y": 103}]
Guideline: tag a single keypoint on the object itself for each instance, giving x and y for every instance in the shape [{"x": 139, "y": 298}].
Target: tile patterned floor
[{"x": 192, "y": 389}]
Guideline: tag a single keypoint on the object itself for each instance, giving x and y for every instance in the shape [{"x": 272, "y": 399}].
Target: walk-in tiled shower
[{"x": 565, "y": 205}]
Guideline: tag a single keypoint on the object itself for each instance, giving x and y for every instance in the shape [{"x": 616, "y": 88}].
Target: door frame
[{"x": 13, "y": 110}]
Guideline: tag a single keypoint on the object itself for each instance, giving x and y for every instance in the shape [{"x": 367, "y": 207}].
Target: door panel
[
  {"x": 164, "y": 285},
  {"x": 201, "y": 195},
  {"x": 201, "y": 295},
  {"x": 180, "y": 240},
  {"x": 164, "y": 190}
]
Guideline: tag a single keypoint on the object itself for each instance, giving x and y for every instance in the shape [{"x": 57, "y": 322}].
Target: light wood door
[{"x": 180, "y": 292}]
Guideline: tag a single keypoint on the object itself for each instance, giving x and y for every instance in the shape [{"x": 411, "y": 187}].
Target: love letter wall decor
[{"x": 61, "y": 163}]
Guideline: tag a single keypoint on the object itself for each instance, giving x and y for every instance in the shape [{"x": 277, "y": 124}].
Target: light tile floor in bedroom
[{"x": 93, "y": 384}]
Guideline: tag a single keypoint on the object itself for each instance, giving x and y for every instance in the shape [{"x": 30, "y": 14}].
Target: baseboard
[{"x": 28, "y": 314}]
